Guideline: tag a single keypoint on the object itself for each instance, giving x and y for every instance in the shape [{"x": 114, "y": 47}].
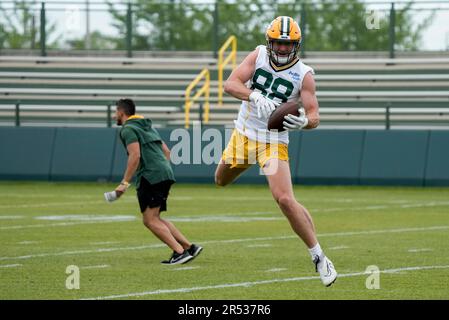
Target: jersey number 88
[{"x": 274, "y": 86}]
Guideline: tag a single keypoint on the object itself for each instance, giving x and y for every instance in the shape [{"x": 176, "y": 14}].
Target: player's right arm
[
  {"x": 166, "y": 150},
  {"x": 235, "y": 84}
]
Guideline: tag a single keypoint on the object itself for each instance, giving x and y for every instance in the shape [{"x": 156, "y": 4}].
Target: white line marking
[
  {"x": 96, "y": 267},
  {"x": 223, "y": 219},
  {"x": 59, "y": 224},
  {"x": 262, "y": 245},
  {"x": 404, "y": 206},
  {"x": 87, "y": 217},
  {"x": 338, "y": 248},
  {"x": 185, "y": 268},
  {"x": 420, "y": 250},
  {"x": 28, "y": 242},
  {"x": 160, "y": 245},
  {"x": 254, "y": 283},
  {"x": 375, "y": 207},
  {"x": 104, "y": 242},
  {"x": 10, "y": 217},
  {"x": 78, "y": 252},
  {"x": 49, "y": 204},
  {"x": 276, "y": 270},
  {"x": 91, "y": 219},
  {"x": 10, "y": 265},
  {"x": 214, "y": 218}
]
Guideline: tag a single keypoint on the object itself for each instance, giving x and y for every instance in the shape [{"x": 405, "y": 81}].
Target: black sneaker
[
  {"x": 194, "y": 250},
  {"x": 178, "y": 258}
]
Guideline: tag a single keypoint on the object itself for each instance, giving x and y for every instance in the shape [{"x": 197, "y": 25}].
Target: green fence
[
  {"x": 358, "y": 157},
  {"x": 141, "y": 25}
]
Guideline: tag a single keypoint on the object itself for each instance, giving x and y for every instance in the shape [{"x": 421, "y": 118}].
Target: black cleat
[
  {"x": 178, "y": 258},
  {"x": 194, "y": 250}
]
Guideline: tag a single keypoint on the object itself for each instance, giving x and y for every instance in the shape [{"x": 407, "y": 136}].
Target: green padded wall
[
  {"x": 394, "y": 157},
  {"x": 119, "y": 158},
  {"x": 83, "y": 154},
  {"x": 330, "y": 156},
  {"x": 437, "y": 170},
  {"x": 318, "y": 157},
  {"x": 26, "y": 153}
]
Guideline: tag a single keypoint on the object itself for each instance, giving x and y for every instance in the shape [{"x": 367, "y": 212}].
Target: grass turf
[{"x": 250, "y": 252}]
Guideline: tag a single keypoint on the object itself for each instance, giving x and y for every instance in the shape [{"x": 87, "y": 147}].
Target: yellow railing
[
  {"x": 205, "y": 89},
  {"x": 232, "y": 40}
]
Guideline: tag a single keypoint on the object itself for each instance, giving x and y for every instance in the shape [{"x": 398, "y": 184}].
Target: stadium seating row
[
  {"x": 317, "y": 157},
  {"x": 352, "y": 92}
]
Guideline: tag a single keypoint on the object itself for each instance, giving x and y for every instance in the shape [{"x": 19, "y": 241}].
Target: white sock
[{"x": 316, "y": 251}]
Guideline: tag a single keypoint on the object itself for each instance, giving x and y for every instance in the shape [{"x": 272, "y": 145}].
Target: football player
[
  {"x": 270, "y": 75},
  {"x": 149, "y": 159}
]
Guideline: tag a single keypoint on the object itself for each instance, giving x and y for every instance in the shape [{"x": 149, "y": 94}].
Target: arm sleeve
[
  {"x": 129, "y": 136},
  {"x": 305, "y": 70}
]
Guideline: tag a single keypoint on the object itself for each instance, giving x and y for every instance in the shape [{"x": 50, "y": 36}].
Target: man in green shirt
[{"x": 148, "y": 158}]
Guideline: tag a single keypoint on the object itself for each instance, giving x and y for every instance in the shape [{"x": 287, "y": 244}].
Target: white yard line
[
  {"x": 92, "y": 219},
  {"x": 184, "y": 268},
  {"x": 276, "y": 270},
  {"x": 59, "y": 224},
  {"x": 49, "y": 204},
  {"x": 28, "y": 242},
  {"x": 10, "y": 217},
  {"x": 232, "y": 218},
  {"x": 338, "y": 248},
  {"x": 10, "y": 265},
  {"x": 104, "y": 242},
  {"x": 102, "y": 266},
  {"x": 379, "y": 207},
  {"x": 255, "y": 283},
  {"x": 419, "y": 250},
  {"x": 401, "y": 203},
  {"x": 160, "y": 245},
  {"x": 262, "y": 245}
]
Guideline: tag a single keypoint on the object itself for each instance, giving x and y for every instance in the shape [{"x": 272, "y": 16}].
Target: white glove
[
  {"x": 264, "y": 105},
  {"x": 296, "y": 123},
  {"x": 117, "y": 193},
  {"x": 110, "y": 196}
]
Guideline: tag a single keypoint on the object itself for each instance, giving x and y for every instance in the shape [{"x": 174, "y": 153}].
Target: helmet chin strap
[
  {"x": 282, "y": 60},
  {"x": 279, "y": 60}
]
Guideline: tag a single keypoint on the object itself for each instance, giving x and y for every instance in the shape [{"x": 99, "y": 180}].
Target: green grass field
[{"x": 250, "y": 252}]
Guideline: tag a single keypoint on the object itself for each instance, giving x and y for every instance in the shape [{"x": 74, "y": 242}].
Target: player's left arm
[
  {"x": 131, "y": 167},
  {"x": 310, "y": 101}
]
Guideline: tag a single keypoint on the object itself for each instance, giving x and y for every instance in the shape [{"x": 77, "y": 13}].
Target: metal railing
[
  {"x": 25, "y": 113},
  {"x": 222, "y": 62},
  {"x": 204, "y": 90}
]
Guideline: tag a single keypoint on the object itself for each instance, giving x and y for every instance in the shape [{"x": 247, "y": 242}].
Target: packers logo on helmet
[{"x": 283, "y": 40}]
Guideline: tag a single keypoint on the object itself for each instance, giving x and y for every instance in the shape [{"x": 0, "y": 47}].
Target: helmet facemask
[{"x": 282, "y": 58}]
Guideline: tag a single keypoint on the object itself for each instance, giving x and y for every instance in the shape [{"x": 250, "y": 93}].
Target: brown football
[{"x": 277, "y": 117}]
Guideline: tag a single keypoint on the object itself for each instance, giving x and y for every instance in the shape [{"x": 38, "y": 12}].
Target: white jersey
[{"x": 280, "y": 85}]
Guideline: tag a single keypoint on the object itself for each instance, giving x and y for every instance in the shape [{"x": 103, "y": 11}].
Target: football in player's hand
[{"x": 277, "y": 117}]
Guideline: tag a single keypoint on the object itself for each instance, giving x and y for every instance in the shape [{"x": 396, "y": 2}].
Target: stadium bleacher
[{"x": 353, "y": 92}]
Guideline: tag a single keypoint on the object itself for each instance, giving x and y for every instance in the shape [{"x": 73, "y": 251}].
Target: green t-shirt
[{"x": 153, "y": 165}]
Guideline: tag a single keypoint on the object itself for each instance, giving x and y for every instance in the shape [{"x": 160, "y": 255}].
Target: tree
[
  {"x": 98, "y": 41},
  {"x": 330, "y": 25},
  {"x": 166, "y": 25},
  {"x": 18, "y": 27},
  {"x": 342, "y": 26}
]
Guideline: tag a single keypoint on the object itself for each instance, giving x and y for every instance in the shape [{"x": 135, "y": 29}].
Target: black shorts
[{"x": 153, "y": 195}]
